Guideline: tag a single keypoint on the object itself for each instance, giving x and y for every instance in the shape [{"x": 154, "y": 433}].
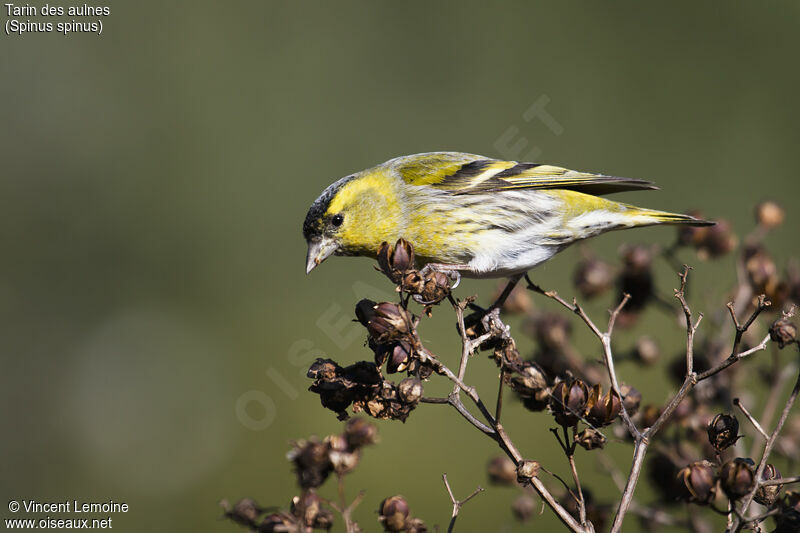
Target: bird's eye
[{"x": 337, "y": 220}]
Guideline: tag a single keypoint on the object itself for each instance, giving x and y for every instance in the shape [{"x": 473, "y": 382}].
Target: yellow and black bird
[{"x": 471, "y": 215}]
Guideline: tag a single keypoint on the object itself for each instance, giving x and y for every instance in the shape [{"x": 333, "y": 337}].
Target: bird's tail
[{"x": 647, "y": 217}]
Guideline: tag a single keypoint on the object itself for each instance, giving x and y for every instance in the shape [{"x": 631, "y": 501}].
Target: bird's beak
[{"x": 318, "y": 251}]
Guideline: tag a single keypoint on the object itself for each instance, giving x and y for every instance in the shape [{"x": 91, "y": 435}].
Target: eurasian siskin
[{"x": 469, "y": 214}]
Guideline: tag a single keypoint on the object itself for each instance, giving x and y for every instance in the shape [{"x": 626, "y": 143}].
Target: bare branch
[
  {"x": 738, "y": 403},
  {"x": 457, "y": 505},
  {"x": 768, "y": 450}
]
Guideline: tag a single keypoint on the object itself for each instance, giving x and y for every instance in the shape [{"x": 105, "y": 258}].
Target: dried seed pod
[
  {"x": 590, "y": 439},
  {"x": 245, "y": 512},
  {"x": 646, "y": 350},
  {"x": 434, "y": 288},
  {"x": 517, "y": 303},
  {"x": 395, "y": 261},
  {"x": 761, "y": 270},
  {"x": 698, "y": 483},
  {"x": 308, "y": 509},
  {"x": 390, "y": 322},
  {"x": 637, "y": 277},
  {"x": 416, "y": 525},
  {"x": 631, "y": 398},
  {"x": 365, "y": 311},
  {"x": 359, "y": 432},
  {"x": 662, "y": 471},
  {"x": 692, "y": 235},
  {"x": 788, "y": 521},
  {"x": 410, "y": 390},
  {"x": 723, "y": 431},
  {"x": 551, "y": 330},
  {"x": 530, "y": 383},
  {"x": 737, "y": 478},
  {"x": 343, "y": 458},
  {"x": 523, "y": 508},
  {"x": 568, "y": 401},
  {"x": 650, "y": 414},
  {"x": 399, "y": 355},
  {"x": 783, "y": 332},
  {"x": 768, "y": 494},
  {"x": 593, "y": 277},
  {"x": 718, "y": 240},
  {"x": 769, "y": 214},
  {"x": 393, "y": 513},
  {"x": 502, "y": 471},
  {"x": 311, "y": 462},
  {"x": 527, "y": 470},
  {"x": 602, "y": 410}
]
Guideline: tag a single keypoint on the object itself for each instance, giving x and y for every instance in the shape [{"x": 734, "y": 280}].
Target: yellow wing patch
[{"x": 472, "y": 174}]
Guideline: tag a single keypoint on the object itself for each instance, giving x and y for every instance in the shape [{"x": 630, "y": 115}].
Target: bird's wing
[{"x": 473, "y": 174}]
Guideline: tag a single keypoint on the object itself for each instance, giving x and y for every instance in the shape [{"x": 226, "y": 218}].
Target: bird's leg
[{"x": 512, "y": 282}]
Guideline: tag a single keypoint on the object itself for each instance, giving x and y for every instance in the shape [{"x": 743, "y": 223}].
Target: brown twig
[
  {"x": 494, "y": 429},
  {"x": 347, "y": 511},
  {"x": 457, "y": 504},
  {"x": 767, "y": 451},
  {"x": 738, "y": 403}
]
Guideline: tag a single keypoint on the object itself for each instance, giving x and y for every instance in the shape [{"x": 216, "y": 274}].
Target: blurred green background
[{"x": 156, "y": 319}]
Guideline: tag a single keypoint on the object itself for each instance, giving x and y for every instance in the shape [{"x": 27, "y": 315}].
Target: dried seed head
[
  {"x": 769, "y": 214},
  {"x": 789, "y": 519},
  {"x": 502, "y": 471},
  {"x": 311, "y": 461},
  {"x": 692, "y": 235},
  {"x": 761, "y": 271},
  {"x": 390, "y": 322},
  {"x": 359, "y": 432},
  {"x": 393, "y": 513},
  {"x": 527, "y": 470},
  {"x": 416, "y": 525},
  {"x": 568, "y": 401},
  {"x": 650, "y": 414},
  {"x": 590, "y": 439},
  {"x": 434, "y": 288},
  {"x": 602, "y": 410},
  {"x": 646, "y": 350},
  {"x": 723, "y": 431},
  {"x": 636, "y": 278},
  {"x": 245, "y": 512},
  {"x": 523, "y": 508},
  {"x": 662, "y": 471},
  {"x": 698, "y": 483},
  {"x": 551, "y": 330},
  {"x": 530, "y": 384},
  {"x": 637, "y": 258},
  {"x": 768, "y": 494},
  {"x": 783, "y": 332},
  {"x": 737, "y": 477},
  {"x": 718, "y": 240},
  {"x": 308, "y": 509},
  {"x": 365, "y": 311},
  {"x": 410, "y": 390},
  {"x": 517, "y": 303},
  {"x": 395, "y": 261},
  {"x": 343, "y": 458},
  {"x": 631, "y": 398},
  {"x": 593, "y": 277},
  {"x": 399, "y": 357}
]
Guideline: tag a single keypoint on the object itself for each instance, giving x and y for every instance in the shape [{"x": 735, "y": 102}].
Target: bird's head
[{"x": 352, "y": 217}]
